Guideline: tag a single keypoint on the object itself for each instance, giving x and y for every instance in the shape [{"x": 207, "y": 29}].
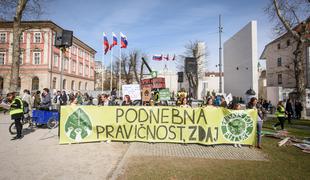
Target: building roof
[
  {"x": 287, "y": 34},
  {"x": 49, "y": 24},
  {"x": 216, "y": 74}
]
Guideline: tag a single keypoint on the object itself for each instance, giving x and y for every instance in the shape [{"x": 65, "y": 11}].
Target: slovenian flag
[
  {"x": 158, "y": 57},
  {"x": 114, "y": 42},
  {"x": 124, "y": 41},
  {"x": 105, "y": 44}
]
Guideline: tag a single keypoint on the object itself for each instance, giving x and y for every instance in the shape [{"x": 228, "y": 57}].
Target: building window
[
  {"x": 80, "y": 84},
  {"x": 64, "y": 82},
  {"x": 54, "y": 83},
  {"x": 37, "y": 57},
  {"x": 66, "y": 62},
  {"x": 86, "y": 71},
  {"x": 279, "y": 45},
  {"x": 72, "y": 85},
  {"x": 91, "y": 72},
  {"x": 81, "y": 52},
  {"x": 73, "y": 50},
  {"x": 2, "y": 58},
  {"x": 2, "y": 37},
  {"x": 279, "y": 62},
  {"x": 279, "y": 78},
  {"x": 37, "y": 37},
  {"x": 81, "y": 68},
  {"x": 21, "y": 57},
  {"x": 73, "y": 66},
  {"x": 56, "y": 60},
  {"x": 35, "y": 83},
  {"x": 288, "y": 43}
]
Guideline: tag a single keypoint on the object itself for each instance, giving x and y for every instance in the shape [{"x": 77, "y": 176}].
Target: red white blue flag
[
  {"x": 158, "y": 57},
  {"x": 105, "y": 44},
  {"x": 167, "y": 57},
  {"x": 114, "y": 42},
  {"x": 124, "y": 41},
  {"x": 173, "y": 58}
]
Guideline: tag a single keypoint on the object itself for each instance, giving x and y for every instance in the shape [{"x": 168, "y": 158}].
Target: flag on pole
[
  {"x": 124, "y": 41},
  {"x": 158, "y": 57},
  {"x": 167, "y": 57},
  {"x": 173, "y": 58},
  {"x": 105, "y": 43},
  {"x": 114, "y": 41}
]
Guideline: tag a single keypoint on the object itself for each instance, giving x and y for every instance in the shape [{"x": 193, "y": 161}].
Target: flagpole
[
  {"x": 102, "y": 67},
  {"x": 111, "y": 79},
  {"x": 120, "y": 72},
  {"x": 102, "y": 71}
]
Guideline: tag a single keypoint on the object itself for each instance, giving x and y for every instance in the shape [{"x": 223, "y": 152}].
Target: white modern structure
[
  {"x": 240, "y": 61},
  {"x": 171, "y": 79}
]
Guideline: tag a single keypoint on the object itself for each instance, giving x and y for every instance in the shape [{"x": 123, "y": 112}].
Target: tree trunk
[
  {"x": 300, "y": 75},
  {"x": 16, "y": 48}
]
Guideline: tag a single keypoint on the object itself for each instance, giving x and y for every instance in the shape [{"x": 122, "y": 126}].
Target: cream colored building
[
  {"x": 280, "y": 69},
  {"x": 41, "y": 61}
]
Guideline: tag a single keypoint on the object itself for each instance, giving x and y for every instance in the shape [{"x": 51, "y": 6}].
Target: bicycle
[{"x": 26, "y": 120}]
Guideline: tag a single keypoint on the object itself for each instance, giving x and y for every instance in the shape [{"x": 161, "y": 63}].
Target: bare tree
[
  {"x": 289, "y": 15},
  {"x": 195, "y": 50},
  {"x": 127, "y": 69},
  {"x": 15, "y": 9},
  {"x": 137, "y": 65}
]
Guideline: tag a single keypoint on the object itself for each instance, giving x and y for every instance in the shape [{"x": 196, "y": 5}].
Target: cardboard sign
[
  {"x": 133, "y": 90},
  {"x": 146, "y": 94}
]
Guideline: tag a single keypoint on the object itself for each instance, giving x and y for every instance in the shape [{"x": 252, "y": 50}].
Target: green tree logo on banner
[
  {"x": 78, "y": 125},
  {"x": 237, "y": 127}
]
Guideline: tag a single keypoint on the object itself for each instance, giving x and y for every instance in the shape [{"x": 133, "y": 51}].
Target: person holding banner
[
  {"x": 127, "y": 101},
  {"x": 104, "y": 100},
  {"x": 210, "y": 102},
  {"x": 253, "y": 105},
  {"x": 184, "y": 103},
  {"x": 237, "y": 106}
]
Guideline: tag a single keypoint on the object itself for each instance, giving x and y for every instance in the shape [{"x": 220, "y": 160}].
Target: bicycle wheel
[
  {"x": 52, "y": 123},
  {"x": 12, "y": 128}
]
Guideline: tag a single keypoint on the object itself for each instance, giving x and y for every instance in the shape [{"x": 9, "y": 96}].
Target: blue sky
[{"x": 159, "y": 26}]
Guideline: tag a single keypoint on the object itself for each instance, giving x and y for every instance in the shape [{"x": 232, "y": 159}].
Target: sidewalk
[{"x": 39, "y": 156}]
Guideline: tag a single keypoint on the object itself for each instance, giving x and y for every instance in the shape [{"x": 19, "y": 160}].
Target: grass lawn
[{"x": 287, "y": 162}]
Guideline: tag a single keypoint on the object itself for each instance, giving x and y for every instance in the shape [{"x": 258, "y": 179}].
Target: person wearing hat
[{"x": 16, "y": 112}]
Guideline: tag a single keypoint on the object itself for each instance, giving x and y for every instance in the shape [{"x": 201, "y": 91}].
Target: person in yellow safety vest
[
  {"x": 280, "y": 113},
  {"x": 16, "y": 112}
]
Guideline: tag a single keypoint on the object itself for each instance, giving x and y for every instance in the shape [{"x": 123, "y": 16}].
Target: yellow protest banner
[{"x": 157, "y": 124}]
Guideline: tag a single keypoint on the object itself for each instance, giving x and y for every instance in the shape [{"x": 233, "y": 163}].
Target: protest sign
[
  {"x": 153, "y": 83},
  {"x": 146, "y": 94},
  {"x": 133, "y": 90},
  {"x": 164, "y": 95},
  {"x": 157, "y": 124}
]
